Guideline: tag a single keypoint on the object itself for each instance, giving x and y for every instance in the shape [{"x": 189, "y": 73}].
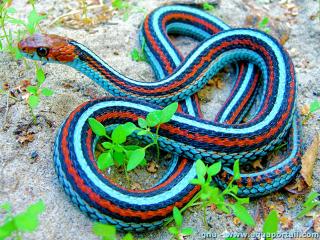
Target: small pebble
[{"x": 34, "y": 155}]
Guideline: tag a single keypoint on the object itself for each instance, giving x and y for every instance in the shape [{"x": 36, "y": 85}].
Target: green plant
[
  {"x": 126, "y": 8},
  {"x": 9, "y": 39},
  {"x": 16, "y": 226},
  {"x": 139, "y": 56},
  {"x": 108, "y": 232},
  {"x": 118, "y": 152},
  {"x": 271, "y": 224},
  {"x": 12, "y": 37},
  {"x": 310, "y": 203},
  {"x": 263, "y": 25},
  {"x": 314, "y": 106},
  {"x": 177, "y": 230},
  {"x": 37, "y": 90},
  {"x": 208, "y": 6},
  {"x": 213, "y": 195}
]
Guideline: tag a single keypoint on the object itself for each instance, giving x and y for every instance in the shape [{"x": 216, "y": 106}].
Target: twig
[
  {"x": 6, "y": 112},
  {"x": 75, "y": 12}
]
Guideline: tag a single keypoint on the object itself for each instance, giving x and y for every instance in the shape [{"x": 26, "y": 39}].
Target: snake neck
[{"x": 95, "y": 68}]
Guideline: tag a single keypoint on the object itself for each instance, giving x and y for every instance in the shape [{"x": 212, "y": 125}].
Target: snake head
[{"x": 48, "y": 48}]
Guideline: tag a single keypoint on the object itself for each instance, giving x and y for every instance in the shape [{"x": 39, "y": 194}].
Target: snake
[{"x": 264, "y": 78}]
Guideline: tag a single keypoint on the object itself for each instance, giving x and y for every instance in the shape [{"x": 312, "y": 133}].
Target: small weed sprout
[
  {"x": 211, "y": 195},
  {"x": 126, "y": 8},
  {"x": 139, "y": 56},
  {"x": 208, "y": 7},
  {"x": 8, "y": 43},
  {"x": 108, "y": 232},
  {"x": 27, "y": 221},
  {"x": 177, "y": 231},
  {"x": 310, "y": 203},
  {"x": 271, "y": 224},
  {"x": 130, "y": 156},
  {"x": 263, "y": 25},
  {"x": 314, "y": 106}
]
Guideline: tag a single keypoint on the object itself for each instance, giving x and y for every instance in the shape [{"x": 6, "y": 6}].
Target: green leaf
[
  {"x": 119, "y": 157},
  {"x": 104, "y": 230},
  {"x": 118, "y": 4},
  {"x": 6, "y": 206},
  {"x": 97, "y": 127},
  {"x": 142, "y": 123},
  {"x": 28, "y": 221},
  {"x": 177, "y": 216},
  {"x": 17, "y": 53},
  {"x": 201, "y": 169},
  {"x": 135, "y": 55},
  {"x": 36, "y": 208},
  {"x": 128, "y": 236},
  {"x": 105, "y": 160},
  {"x": 214, "y": 169},
  {"x": 307, "y": 209},
  {"x": 16, "y": 21},
  {"x": 41, "y": 77},
  {"x": 168, "y": 112},
  {"x": 129, "y": 128},
  {"x": 207, "y": 6},
  {"x": 271, "y": 223},
  {"x": 32, "y": 89},
  {"x": 136, "y": 157},
  {"x": 33, "y": 101},
  {"x": 187, "y": 231},
  {"x": 11, "y": 10},
  {"x": 7, "y": 229},
  {"x": 143, "y": 132},
  {"x": 107, "y": 145},
  {"x": 46, "y": 92},
  {"x": 314, "y": 106},
  {"x": 242, "y": 213},
  {"x": 173, "y": 230},
  {"x": 118, "y": 148},
  {"x": 197, "y": 181},
  {"x": 236, "y": 170},
  {"x": 33, "y": 20},
  {"x": 132, "y": 147},
  {"x": 312, "y": 196},
  {"x": 154, "y": 118},
  {"x": 119, "y": 135},
  {"x": 264, "y": 21}
]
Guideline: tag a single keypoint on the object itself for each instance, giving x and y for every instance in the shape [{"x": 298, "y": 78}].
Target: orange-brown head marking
[{"x": 48, "y": 47}]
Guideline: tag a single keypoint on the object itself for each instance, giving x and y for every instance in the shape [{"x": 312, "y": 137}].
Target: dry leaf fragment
[
  {"x": 152, "y": 167},
  {"x": 257, "y": 164},
  {"x": 299, "y": 186},
  {"x": 286, "y": 223},
  {"x": 236, "y": 221},
  {"x": 308, "y": 160},
  {"x": 136, "y": 186},
  {"x": 316, "y": 223},
  {"x": 305, "y": 109},
  {"x": 26, "y": 138}
]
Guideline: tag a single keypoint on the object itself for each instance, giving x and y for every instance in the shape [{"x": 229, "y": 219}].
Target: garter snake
[{"x": 264, "y": 70}]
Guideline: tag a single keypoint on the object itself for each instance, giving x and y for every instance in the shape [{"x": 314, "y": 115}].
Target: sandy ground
[{"x": 24, "y": 180}]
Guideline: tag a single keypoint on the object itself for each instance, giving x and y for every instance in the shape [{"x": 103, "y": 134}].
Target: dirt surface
[{"x": 26, "y": 170}]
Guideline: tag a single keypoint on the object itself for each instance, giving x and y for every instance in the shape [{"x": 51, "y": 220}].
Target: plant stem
[{"x": 156, "y": 141}]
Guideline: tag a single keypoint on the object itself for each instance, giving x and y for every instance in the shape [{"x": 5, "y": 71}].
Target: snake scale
[{"x": 264, "y": 71}]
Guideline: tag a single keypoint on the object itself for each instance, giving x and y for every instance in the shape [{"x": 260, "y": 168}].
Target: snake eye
[{"x": 42, "y": 52}]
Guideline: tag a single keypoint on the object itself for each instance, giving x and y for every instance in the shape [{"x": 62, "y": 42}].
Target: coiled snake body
[{"x": 264, "y": 69}]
